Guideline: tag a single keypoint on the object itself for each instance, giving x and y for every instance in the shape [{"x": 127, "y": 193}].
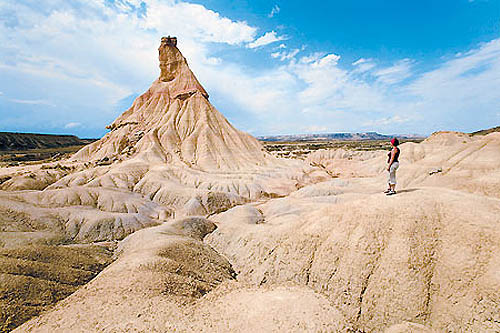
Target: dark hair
[{"x": 395, "y": 141}]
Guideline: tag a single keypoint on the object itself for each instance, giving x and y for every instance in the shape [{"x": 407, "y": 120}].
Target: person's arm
[{"x": 393, "y": 154}]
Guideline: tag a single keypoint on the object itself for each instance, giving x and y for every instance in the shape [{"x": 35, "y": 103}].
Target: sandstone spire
[
  {"x": 173, "y": 66},
  {"x": 174, "y": 122}
]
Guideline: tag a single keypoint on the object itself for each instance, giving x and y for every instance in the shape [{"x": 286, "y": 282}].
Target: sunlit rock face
[
  {"x": 171, "y": 153},
  {"x": 170, "y": 58},
  {"x": 174, "y": 122}
]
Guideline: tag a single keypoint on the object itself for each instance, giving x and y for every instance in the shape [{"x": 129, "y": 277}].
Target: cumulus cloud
[
  {"x": 196, "y": 21},
  {"x": 87, "y": 55},
  {"x": 267, "y": 38},
  {"x": 311, "y": 57}
]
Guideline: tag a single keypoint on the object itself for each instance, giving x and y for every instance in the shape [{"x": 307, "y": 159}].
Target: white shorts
[{"x": 392, "y": 173}]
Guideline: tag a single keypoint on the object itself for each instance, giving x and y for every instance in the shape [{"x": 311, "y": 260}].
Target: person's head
[{"x": 395, "y": 142}]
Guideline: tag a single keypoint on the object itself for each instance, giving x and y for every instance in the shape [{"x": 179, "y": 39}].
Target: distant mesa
[
  {"x": 10, "y": 141},
  {"x": 360, "y": 136}
]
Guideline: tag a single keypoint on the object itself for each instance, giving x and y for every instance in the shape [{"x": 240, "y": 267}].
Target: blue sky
[{"x": 271, "y": 67}]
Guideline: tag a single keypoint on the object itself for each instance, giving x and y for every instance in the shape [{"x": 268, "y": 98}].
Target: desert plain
[{"x": 176, "y": 221}]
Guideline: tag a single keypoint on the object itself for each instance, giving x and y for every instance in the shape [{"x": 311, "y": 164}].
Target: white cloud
[
  {"x": 187, "y": 20},
  {"x": 116, "y": 56},
  {"x": 311, "y": 58},
  {"x": 363, "y": 65},
  {"x": 118, "y": 38},
  {"x": 253, "y": 92},
  {"x": 285, "y": 55},
  {"x": 461, "y": 87},
  {"x": 267, "y": 38},
  {"x": 213, "y": 61},
  {"x": 328, "y": 60},
  {"x": 27, "y": 101},
  {"x": 472, "y": 72},
  {"x": 331, "y": 91},
  {"x": 88, "y": 55},
  {"x": 72, "y": 125},
  {"x": 359, "y": 61},
  {"x": 396, "y": 73},
  {"x": 275, "y": 10}
]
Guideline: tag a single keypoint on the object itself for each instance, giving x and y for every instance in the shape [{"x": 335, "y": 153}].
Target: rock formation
[
  {"x": 174, "y": 123},
  {"x": 234, "y": 239},
  {"x": 171, "y": 153}
]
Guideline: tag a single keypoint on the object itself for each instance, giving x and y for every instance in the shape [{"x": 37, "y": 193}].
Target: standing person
[{"x": 393, "y": 166}]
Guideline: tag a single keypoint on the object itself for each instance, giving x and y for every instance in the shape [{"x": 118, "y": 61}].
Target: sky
[{"x": 271, "y": 67}]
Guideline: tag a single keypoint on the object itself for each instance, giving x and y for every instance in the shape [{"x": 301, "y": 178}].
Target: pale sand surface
[{"x": 217, "y": 235}]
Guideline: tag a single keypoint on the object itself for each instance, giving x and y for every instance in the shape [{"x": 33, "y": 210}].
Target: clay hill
[{"x": 212, "y": 234}]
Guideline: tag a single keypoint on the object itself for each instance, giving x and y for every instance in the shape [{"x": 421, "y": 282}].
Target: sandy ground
[{"x": 333, "y": 256}]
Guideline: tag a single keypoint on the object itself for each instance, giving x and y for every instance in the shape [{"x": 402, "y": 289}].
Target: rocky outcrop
[
  {"x": 170, "y": 154},
  {"x": 174, "y": 123}
]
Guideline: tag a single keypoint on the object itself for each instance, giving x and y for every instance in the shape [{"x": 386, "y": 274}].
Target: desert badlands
[{"x": 210, "y": 233}]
